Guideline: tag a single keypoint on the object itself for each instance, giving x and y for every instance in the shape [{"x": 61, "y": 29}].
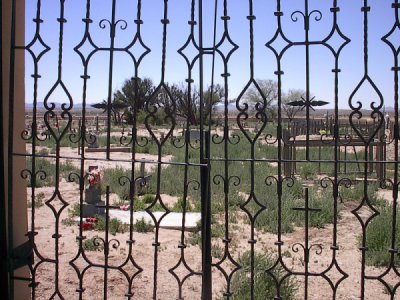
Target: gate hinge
[{"x": 21, "y": 256}]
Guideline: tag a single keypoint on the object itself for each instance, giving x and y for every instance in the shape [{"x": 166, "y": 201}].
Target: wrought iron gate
[{"x": 294, "y": 202}]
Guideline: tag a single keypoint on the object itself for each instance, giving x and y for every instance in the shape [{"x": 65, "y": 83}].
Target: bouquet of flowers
[
  {"x": 89, "y": 223},
  {"x": 94, "y": 177}
]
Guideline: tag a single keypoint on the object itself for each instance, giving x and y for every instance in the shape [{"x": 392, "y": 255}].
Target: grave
[{"x": 94, "y": 205}]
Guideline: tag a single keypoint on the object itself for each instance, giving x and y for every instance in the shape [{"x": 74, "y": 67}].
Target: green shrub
[
  {"x": 142, "y": 226},
  {"x": 74, "y": 211},
  {"x": 148, "y": 198},
  {"x": 93, "y": 244},
  {"x": 379, "y": 238},
  {"x": 114, "y": 225},
  {"x": 264, "y": 286},
  {"x": 43, "y": 152},
  {"x": 67, "y": 168},
  {"x": 38, "y": 200},
  {"x": 178, "y": 206},
  {"x": 194, "y": 239},
  {"x": 46, "y": 168},
  {"x": 112, "y": 178}
]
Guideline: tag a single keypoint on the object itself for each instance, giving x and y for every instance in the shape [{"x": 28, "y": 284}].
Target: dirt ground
[
  {"x": 169, "y": 254},
  {"x": 348, "y": 258}
]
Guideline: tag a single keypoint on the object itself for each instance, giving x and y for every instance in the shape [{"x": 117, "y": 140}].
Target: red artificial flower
[{"x": 87, "y": 226}]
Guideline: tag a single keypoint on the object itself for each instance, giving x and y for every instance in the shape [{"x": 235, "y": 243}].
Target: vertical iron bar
[
  {"x": 201, "y": 79},
  {"x": 307, "y": 28},
  {"x": 110, "y": 78},
  {"x": 365, "y": 9},
  {"x": 396, "y": 148},
  {"x": 106, "y": 243},
  {"x": 206, "y": 221}
]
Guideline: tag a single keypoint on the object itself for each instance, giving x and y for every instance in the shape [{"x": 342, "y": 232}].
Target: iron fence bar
[{"x": 201, "y": 78}]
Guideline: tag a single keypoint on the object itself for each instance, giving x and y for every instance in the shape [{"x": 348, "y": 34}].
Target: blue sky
[{"x": 350, "y": 19}]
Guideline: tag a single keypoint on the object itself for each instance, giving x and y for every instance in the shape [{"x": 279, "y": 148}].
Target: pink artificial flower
[{"x": 124, "y": 207}]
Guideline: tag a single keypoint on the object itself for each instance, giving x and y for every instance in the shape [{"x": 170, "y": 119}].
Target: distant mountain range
[
  {"x": 40, "y": 105},
  {"x": 219, "y": 108}
]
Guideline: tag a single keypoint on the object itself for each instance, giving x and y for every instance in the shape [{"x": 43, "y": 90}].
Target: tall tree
[
  {"x": 268, "y": 91},
  {"x": 134, "y": 93},
  {"x": 290, "y": 96},
  {"x": 187, "y": 105}
]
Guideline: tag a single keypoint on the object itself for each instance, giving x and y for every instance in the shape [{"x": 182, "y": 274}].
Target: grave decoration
[{"x": 93, "y": 204}]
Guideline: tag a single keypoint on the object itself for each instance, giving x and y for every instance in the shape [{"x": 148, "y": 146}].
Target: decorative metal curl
[
  {"x": 91, "y": 138},
  {"x": 196, "y": 144},
  {"x": 270, "y": 180},
  {"x": 26, "y": 134},
  {"x": 289, "y": 181},
  {"x": 324, "y": 182},
  {"x": 327, "y": 138},
  {"x": 346, "y": 182},
  {"x": 217, "y": 179},
  {"x": 178, "y": 142},
  {"x": 142, "y": 138},
  {"x": 347, "y": 140},
  {"x": 294, "y": 18},
  {"x": 234, "y": 139},
  {"x": 98, "y": 241},
  {"x": 125, "y": 140},
  {"x": 75, "y": 177},
  {"x": 217, "y": 139},
  {"x": 235, "y": 180},
  {"x": 114, "y": 243},
  {"x": 124, "y": 180},
  {"x": 26, "y": 174},
  {"x": 73, "y": 135},
  {"x": 319, "y": 15},
  {"x": 102, "y": 23},
  {"x": 270, "y": 139},
  {"x": 194, "y": 183},
  {"x": 296, "y": 247}
]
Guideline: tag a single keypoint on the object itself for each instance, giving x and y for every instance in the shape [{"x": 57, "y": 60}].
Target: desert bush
[
  {"x": 148, "y": 198},
  {"x": 112, "y": 178},
  {"x": 264, "y": 285},
  {"x": 93, "y": 244},
  {"x": 142, "y": 226},
  {"x": 74, "y": 210},
  {"x": 48, "y": 168},
  {"x": 114, "y": 225},
  {"x": 379, "y": 237},
  {"x": 38, "y": 200}
]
